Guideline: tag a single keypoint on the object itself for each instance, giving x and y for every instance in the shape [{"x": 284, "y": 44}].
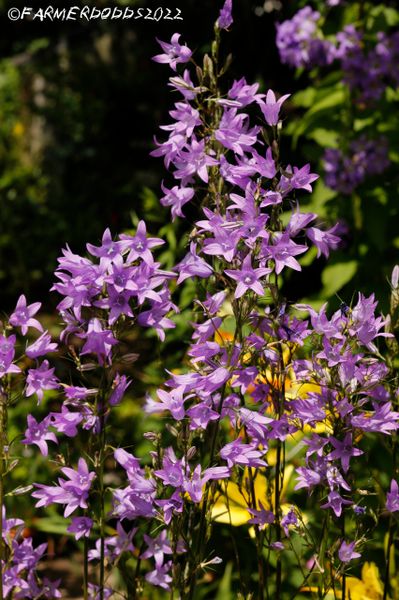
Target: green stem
[
  {"x": 343, "y": 574},
  {"x": 202, "y": 527},
  {"x": 259, "y": 542},
  {"x": 277, "y": 515},
  {"x": 387, "y": 566},
  {"x": 102, "y": 507},
  {"x": 85, "y": 570},
  {"x": 3, "y": 442}
]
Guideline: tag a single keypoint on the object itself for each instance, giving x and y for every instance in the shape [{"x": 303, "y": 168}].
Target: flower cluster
[
  {"x": 368, "y": 71},
  {"x": 300, "y": 41},
  {"x": 249, "y": 387},
  {"x": 350, "y": 400},
  {"x": 344, "y": 172},
  {"x": 19, "y": 567}
]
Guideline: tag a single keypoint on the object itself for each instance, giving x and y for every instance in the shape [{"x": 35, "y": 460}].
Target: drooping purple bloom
[
  {"x": 41, "y": 346},
  {"x": 193, "y": 265},
  {"x": 335, "y": 502},
  {"x": 261, "y": 517},
  {"x": 201, "y": 415},
  {"x": 174, "y": 52},
  {"x": 343, "y": 451},
  {"x": 172, "y": 401},
  {"x": 234, "y": 133},
  {"x": 160, "y": 576},
  {"x": 40, "y": 379},
  {"x": 176, "y": 198},
  {"x": 39, "y": 434},
  {"x": 308, "y": 478},
  {"x": 347, "y": 552},
  {"x": 119, "y": 386},
  {"x": 271, "y": 107},
  {"x": 290, "y": 518},
  {"x": 238, "y": 453},
  {"x": 99, "y": 341},
  {"x": 7, "y": 353},
  {"x": 23, "y": 315},
  {"x": 392, "y": 502},
  {"x": 66, "y": 421},
  {"x": 194, "y": 485},
  {"x": 80, "y": 526}
]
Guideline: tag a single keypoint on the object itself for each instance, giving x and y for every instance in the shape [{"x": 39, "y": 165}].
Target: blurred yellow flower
[
  {"x": 233, "y": 501},
  {"x": 18, "y": 129},
  {"x": 369, "y": 587}
]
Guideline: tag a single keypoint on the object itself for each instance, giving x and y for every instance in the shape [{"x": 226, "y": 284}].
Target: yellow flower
[
  {"x": 18, "y": 129},
  {"x": 369, "y": 587},
  {"x": 232, "y": 501}
]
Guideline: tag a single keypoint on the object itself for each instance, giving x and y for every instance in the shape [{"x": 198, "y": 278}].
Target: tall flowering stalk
[
  {"x": 265, "y": 389},
  {"x": 20, "y": 372}
]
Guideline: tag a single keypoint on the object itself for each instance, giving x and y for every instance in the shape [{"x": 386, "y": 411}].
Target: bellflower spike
[{"x": 174, "y": 52}]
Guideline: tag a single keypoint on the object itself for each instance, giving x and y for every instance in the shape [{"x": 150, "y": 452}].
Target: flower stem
[
  {"x": 1, "y": 493},
  {"x": 3, "y": 442},
  {"x": 85, "y": 569},
  {"x": 391, "y": 531}
]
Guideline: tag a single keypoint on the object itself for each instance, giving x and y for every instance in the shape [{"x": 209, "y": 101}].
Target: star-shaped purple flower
[{"x": 248, "y": 278}]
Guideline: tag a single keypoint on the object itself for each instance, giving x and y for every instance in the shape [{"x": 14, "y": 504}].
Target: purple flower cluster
[
  {"x": 120, "y": 282},
  {"x": 18, "y": 569},
  {"x": 351, "y": 398},
  {"x": 240, "y": 397},
  {"x": 344, "y": 172},
  {"x": 368, "y": 70},
  {"x": 300, "y": 42}
]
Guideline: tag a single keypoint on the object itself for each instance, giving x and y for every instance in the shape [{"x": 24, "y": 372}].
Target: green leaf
[
  {"x": 224, "y": 591},
  {"x": 334, "y": 277},
  {"x": 324, "y": 137},
  {"x": 55, "y": 524}
]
